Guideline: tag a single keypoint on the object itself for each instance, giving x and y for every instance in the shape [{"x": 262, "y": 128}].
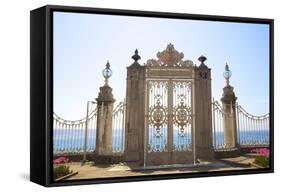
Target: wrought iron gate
[{"x": 169, "y": 121}]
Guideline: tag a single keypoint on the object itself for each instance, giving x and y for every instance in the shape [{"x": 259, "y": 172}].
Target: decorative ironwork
[
  {"x": 218, "y": 130},
  {"x": 157, "y": 115},
  {"x": 169, "y": 57},
  {"x": 169, "y": 108},
  {"x": 182, "y": 115},
  {"x": 118, "y": 127},
  {"x": 251, "y": 130},
  {"x": 69, "y": 136}
]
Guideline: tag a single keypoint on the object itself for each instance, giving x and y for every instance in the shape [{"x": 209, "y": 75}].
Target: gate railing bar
[{"x": 252, "y": 130}]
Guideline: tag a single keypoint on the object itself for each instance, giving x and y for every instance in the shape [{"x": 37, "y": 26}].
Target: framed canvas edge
[
  {"x": 49, "y": 92},
  {"x": 38, "y": 76}
]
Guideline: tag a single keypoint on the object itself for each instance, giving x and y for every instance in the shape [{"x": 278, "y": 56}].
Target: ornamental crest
[{"x": 169, "y": 57}]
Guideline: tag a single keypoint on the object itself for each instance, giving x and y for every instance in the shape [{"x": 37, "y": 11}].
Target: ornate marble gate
[{"x": 168, "y": 110}]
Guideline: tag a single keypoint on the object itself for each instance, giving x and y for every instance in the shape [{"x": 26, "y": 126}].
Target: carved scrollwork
[
  {"x": 169, "y": 57},
  {"x": 186, "y": 63},
  {"x": 153, "y": 62}
]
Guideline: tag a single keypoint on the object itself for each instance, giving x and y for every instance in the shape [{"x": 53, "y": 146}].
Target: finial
[
  {"x": 170, "y": 46},
  {"x": 136, "y": 56},
  {"x": 107, "y": 65},
  {"x": 226, "y": 67},
  {"x": 202, "y": 59}
]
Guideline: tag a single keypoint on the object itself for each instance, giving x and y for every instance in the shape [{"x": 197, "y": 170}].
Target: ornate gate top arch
[
  {"x": 169, "y": 57},
  {"x": 169, "y": 65}
]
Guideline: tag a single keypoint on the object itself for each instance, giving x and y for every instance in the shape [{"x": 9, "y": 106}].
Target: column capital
[
  {"x": 105, "y": 95},
  {"x": 228, "y": 95}
]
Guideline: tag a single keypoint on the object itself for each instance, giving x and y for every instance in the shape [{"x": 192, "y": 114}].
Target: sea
[{"x": 73, "y": 141}]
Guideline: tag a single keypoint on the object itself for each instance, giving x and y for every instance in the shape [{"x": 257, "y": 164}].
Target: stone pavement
[{"x": 124, "y": 170}]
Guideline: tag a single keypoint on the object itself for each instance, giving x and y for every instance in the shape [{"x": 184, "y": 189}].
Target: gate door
[{"x": 169, "y": 122}]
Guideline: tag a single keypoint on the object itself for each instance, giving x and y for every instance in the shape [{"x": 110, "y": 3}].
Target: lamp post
[
  {"x": 105, "y": 102},
  {"x": 229, "y": 119},
  {"x": 86, "y": 133},
  {"x": 227, "y": 74}
]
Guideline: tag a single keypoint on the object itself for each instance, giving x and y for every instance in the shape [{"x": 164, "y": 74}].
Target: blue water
[
  {"x": 245, "y": 137},
  {"x": 73, "y": 140}
]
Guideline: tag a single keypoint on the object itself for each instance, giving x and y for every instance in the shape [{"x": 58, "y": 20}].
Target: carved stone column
[
  {"x": 229, "y": 119},
  {"x": 105, "y": 102},
  {"x": 203, "y": 112},
  {"x": 135, "y": 111}
]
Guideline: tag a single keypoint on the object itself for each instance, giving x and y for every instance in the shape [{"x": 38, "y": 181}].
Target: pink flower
[
  {"x": 261, "y": 151},
  {"x": 61, "y": 160}
]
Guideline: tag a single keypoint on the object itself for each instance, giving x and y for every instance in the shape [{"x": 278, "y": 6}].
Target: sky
[{"x": 83, "y": 43}]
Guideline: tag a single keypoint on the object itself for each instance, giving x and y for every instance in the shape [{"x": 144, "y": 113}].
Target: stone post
[
  {"x": 105, "y": 102},
  {"x": 135, "y": 111},
  {"x": 229, "y": 119},
  {"x": 202, "y": 146}
]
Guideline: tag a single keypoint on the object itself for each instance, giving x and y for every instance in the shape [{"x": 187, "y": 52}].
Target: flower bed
[
  {"x": 60, "y": 160},
  {"x": 262, "y": 158},
  {"x": 60, "y": 169}
]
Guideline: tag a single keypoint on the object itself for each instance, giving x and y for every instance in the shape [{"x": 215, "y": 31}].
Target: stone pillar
[
  {"x": 229, "y": 119},
  {"x": 203, "y": 112},
  {"x": 135, "y": 111},
  {"x": 105, "y": 102}
]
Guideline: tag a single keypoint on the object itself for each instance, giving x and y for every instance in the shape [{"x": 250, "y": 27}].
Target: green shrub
[
  {"x": 262, "y": 161},
  {"x": 60, "y": 171}
]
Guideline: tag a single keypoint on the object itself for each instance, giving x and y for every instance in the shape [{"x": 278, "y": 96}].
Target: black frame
[{"x": 41, "y": 93}]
